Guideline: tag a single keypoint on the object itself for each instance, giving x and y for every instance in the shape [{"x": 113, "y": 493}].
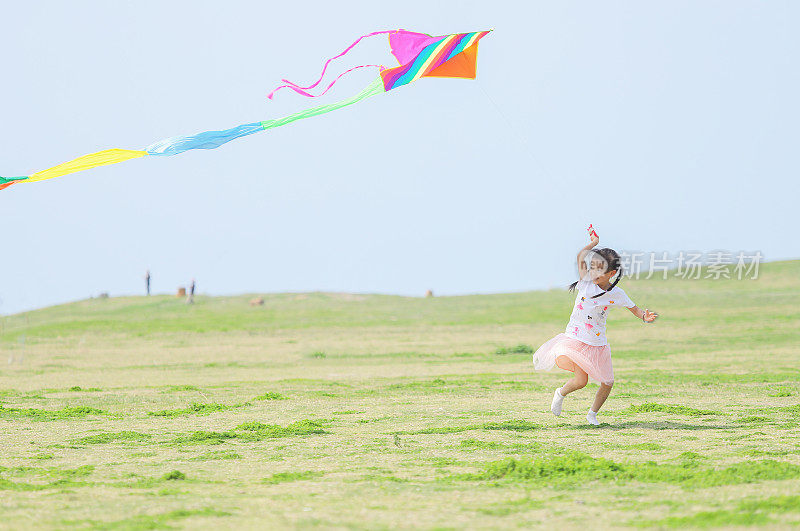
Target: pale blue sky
[{"x": 670, "y": 126}]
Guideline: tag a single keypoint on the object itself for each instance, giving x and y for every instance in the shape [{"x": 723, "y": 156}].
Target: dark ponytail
[{"x": 573, "y": 286}]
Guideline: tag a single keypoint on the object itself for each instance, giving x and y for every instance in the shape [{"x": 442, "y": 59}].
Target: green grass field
[{"x": 369, "y": 412}]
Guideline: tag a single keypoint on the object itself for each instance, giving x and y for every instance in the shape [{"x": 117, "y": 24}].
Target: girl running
[{"x": 583, "y": 349}]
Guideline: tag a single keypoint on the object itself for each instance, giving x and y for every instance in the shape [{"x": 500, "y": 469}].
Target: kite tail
[
  {"x": 302, "y": 92},
  {"x": 86, "y": 162},
  {"x": 374, "y": 88},
  {"x": 179, "y": 144},
  {"x": 290, "y": 84},
  {"x": 214, "y": 139},
  {"x": 5, "y": 182},
  {"x": 206, "y": 140}
]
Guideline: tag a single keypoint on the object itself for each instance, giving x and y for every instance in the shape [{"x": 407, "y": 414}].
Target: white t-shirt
[{"x": 588, "y": 320}]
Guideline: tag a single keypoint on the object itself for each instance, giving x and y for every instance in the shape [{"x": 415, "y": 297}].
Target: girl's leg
[
  {"x": 578, "y": 381},
  {"x": 600, "y": 397}
]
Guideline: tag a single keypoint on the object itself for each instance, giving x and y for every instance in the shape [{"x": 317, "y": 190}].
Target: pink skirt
[{"x": 566, "y": 353}]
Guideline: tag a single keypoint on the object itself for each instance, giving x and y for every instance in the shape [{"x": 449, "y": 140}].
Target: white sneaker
[
  {"x": 558, "y": 401},
  {"x": 591, "y": 417}
]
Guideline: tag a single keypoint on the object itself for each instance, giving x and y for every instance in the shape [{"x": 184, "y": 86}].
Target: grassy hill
[
  {"x": 680, "y": 301},
  {"x": 365, "y": 411}
]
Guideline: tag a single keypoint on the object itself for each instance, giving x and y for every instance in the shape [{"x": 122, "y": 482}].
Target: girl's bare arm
[
  {"x": 582, "y": 254},
  {"x": 645, "y": 315}
]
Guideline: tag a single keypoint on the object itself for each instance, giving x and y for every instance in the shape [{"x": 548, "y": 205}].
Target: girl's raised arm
[{"x": 582, "y": 254}]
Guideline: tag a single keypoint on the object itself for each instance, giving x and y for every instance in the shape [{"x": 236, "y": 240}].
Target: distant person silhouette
[
  {"x": 147, "y": 282},
  {"x": 190, "y": 296}
]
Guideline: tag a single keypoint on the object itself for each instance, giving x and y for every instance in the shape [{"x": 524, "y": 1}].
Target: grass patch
[
  {"x": 62, "y": 477},
  {"x": 722, "y": 518},
  {"x": 519, "y": 349},
  {"x": 754, "y": 420},
  {"x": 377, "y": 419},
  {"x": 286, "y": 477},
  {"x": 193, "y": 409},
  {"x": 748, "y": 512},
  {"x": 648, "y": 446},
  {"x": 441, "y": 461},
  {"x": 205, "y": 437},
  {"x": 436, "y": 383},
  {"x": 258, "y": 431},
  {"x": 572, "y": 467},
  {"x": 254, "y": 431},
  {"x": 145, "y": 521},
  {"x": 6, "y": 484},
  {"x": 66, "y": 413},
  {"x": 270, "y": 396},
  {"x": 509, "y": 425},
  {"x": 483, "y": 445},
  {"x": 383, "y": 478},
  {"x": 775, "y": 504},
  {"x": 689, "y": 456},
  {"x": 178, "y": 388},
  {"x": 757, "y": 452},
  {"x": 512, "y": 507},
  {"x": 651, "y": 407},
  {"x": 325, "y": 394},
  {"x": 437, "y": 430},
  {"x": 175, "y": 475},
  {"x": 122, "y": 436},
  {"x": 215, "y": 456},
  {"x": 50, "y": 472}
]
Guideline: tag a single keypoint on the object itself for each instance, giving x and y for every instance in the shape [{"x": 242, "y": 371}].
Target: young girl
[{"x": 583, "y": 349}]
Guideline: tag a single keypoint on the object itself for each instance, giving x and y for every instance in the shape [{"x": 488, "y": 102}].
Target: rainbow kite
[{"x": 420, "y": 55}]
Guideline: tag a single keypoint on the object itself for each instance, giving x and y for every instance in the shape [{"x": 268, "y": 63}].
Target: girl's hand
[
  {"x": 593, "y": 237},
  {"x": 648, "y": 316},
  {"x": 645, "y": 315}
]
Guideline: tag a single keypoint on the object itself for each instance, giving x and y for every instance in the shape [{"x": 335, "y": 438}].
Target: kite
[{"x": 418, "y": 54}]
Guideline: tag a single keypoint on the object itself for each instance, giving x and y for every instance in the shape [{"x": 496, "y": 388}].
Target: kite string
[
  {"x": 522, "y": 139},
  {"x": 328, "y": 62}
]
